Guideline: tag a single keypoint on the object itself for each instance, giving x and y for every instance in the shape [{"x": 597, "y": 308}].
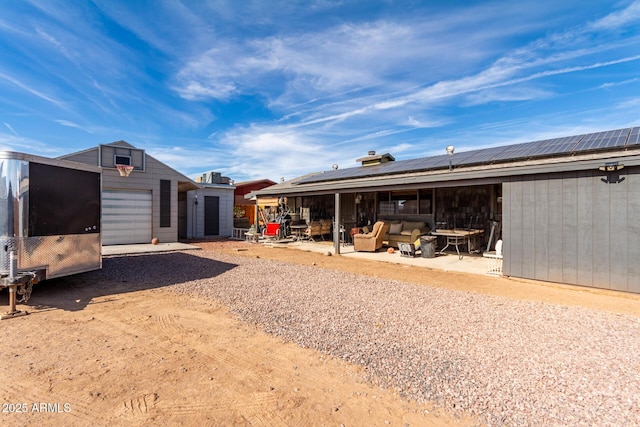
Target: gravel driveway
[{"x": 507, "y": 362}]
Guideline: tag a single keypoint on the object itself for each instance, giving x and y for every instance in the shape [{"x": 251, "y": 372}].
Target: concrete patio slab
[
  {"x": 470, "y": 263},
  {"x": 144, "y": 248}
]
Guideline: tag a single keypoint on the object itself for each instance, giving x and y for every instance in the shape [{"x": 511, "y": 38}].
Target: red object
[
  {"x": 273, "y": 229},
  {"x": 390, "y": 250}
]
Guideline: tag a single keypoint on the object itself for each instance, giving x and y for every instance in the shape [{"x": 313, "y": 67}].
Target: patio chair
[
  {"x": 314, "y": 229},
  {"x": 272, "y": 231},
  {"x": 371, "y": 242},
  {"x": 325, "y": 228}
]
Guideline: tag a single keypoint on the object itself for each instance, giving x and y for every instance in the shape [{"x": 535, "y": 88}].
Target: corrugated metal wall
[{"x": 573, "y": 227}]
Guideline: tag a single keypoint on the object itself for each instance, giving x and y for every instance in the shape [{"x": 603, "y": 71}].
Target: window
[
  {"x": 406, "y": 202},
  {"x": 384, "y": 204},
  {"x": 121, "y": 160},
  {"x": 425, "y": 201},
  {"x": 398, "y": 203},
  {"x": 165, "y": 203}
]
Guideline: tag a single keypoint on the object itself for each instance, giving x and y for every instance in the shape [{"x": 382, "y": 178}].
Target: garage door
[{"x": 126, "y": 217}]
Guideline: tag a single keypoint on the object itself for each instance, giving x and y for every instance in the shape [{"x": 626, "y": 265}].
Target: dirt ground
[{"x": 117, "y": 354}]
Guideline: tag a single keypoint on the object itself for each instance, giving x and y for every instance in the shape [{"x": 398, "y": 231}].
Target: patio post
[{"x": 336, "y": 225}]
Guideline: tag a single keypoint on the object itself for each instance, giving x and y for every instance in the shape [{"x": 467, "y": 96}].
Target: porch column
[
  {"x": 255, "y": 217},
  {"x": 336, "y": 228}
]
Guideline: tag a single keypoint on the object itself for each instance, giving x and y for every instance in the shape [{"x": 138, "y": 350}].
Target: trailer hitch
[{"x": 18, "y": 283}]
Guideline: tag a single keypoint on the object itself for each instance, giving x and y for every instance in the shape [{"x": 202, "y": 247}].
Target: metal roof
[{"x": 549, "y": 148}]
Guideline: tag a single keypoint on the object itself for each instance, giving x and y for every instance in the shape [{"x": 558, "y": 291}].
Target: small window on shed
[
  {"x": 165, "y": 203},
  {"x": 122, "y": 160}
]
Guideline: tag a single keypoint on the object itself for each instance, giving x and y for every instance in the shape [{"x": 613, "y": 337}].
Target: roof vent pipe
[
  {"x": 371, "y": 153},
  {"x": 334, "y": 166}
]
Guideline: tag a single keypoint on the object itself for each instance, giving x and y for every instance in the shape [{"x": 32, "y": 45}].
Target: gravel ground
[{"x": 509, "y": 363}]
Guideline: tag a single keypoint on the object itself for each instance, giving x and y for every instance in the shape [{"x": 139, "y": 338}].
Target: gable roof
[{"x": 184, "y": 183}]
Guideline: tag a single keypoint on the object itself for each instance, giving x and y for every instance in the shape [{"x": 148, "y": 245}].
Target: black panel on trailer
[{"x": 63, "y": 201}]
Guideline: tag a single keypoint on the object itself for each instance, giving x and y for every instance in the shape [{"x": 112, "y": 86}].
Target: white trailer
[{"x": 49, "y": 222}]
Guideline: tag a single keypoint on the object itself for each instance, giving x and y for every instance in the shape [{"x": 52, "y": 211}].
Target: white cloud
[
  {"x": 31, "y": 90},
  {"x": 70, "y": 124},
  {"x": 14, "y": 142},
  {"x": 506, "y": 95},
  {"x": 621, "y": 83},
  {"x": 11, "y": 129},
  {"x": 321, "y": 63},
  {"x": 618, "y": 19}
]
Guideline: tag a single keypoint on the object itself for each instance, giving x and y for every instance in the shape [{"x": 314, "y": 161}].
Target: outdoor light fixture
[
  {"x": 450, "y": 150},
  {"x": 611, "y": 167},
  {"x": 194, "y": 216}
]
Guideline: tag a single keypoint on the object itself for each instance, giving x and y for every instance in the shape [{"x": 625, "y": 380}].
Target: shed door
[
  {"x": 126, "y": 217},
  {"x": 211, "y": 215}
]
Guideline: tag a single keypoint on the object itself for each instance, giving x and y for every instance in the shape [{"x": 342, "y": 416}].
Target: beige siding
[
  {"x": 89, "y": 157},
  {"x": 149, "y": 180},
  {"x": 195, "y": 213}
]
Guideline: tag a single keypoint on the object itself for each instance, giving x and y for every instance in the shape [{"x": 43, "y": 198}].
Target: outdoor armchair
[{"x": 371, "y": 242}]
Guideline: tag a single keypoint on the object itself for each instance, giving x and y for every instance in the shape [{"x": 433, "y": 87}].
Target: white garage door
[{"x": 126, "y": 217}]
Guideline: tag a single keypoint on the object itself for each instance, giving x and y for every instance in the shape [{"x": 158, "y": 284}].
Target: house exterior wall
[
  {"x": 149, "y": 180},
  {"x": 249, "y": 206},
  {"x": 196, "y": 215},
  {"x": 574, "y": 227},
  {"x": 246, "y": 188}
]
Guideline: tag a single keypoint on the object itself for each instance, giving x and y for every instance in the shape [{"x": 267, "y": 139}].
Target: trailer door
[{"x": 126, "y": 217}]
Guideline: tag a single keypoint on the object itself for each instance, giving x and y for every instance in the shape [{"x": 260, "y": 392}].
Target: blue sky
[{"x": 271, "y": 89}]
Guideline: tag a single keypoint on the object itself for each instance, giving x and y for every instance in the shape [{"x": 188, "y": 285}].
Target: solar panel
[
  {"x": 555, "y": 146},
  {"x": 512, "y": 152},
  {"x": 475, "y": 157},
  {"x": 544, "y": 148},
  {"x": 601, "y": 140},
  {"x": 634, "y": 136},
  {"x": 418, "y": 164}
]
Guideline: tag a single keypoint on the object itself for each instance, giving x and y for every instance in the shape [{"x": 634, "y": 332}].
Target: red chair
[{"x": 272, "y": 231}]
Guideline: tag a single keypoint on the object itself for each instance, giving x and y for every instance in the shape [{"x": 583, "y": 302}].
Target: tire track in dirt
[
  {"x": 177, "y": 344},
  {"x": 140, "y": 405},
  {"x": 185, "y": 331},
  {"x": 254, "y": 374},
  {"x": 254, "y": 406},
  {"x": 170, "y": 325},
  {"x": 182, "y": 344}
]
